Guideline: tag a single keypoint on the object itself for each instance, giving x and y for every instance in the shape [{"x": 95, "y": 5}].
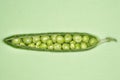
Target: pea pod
[{"x": 56, "y": 42}]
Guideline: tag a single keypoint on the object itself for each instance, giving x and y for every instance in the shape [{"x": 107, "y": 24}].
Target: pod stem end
[{"x": 108, "y": 39}]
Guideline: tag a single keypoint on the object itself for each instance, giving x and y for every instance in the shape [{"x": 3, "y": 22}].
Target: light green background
[{"x": 99, "y": 17}]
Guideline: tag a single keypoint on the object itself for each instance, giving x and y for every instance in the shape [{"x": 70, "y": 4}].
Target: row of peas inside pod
[{"x": 56, "y": 41}]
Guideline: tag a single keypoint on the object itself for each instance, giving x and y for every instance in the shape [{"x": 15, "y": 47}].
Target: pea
[
  {"x": 72, "y": 42},
  {"x": 72, "y": 46},
  {"x": 77, "y": 38},
  {"x": 31, "y": 45},
  {"x": 60, "y": 39},
  {"x": 85, "y": 38},
  {"x": 77, "y": 46},
  {"x": 37, "y": 46},
  {"x": 38, "y": 43},
  {"x": 43, "y": 46},
  {"x": 66, "y": 46},
  {"x": 36, "y": 39},
  {"x": 51, "y": 47},
  {"x": 57, "y": 46},
  {"x": 45, "y": 38},
  {"x": 93, "y": 41},
  {"x": 22, "y": 44},
  {"x": 49, "y": 42},
  {"x": 27, "y": 40},
  {"x": 68, "y": 38},
  {"x": 16, "y": 41},
  {"x": 54, "y": 38},
  {"x": 83, "y": 45}
]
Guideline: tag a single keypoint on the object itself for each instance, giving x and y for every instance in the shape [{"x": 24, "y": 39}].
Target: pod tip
[{"x": 109, "y": 39}]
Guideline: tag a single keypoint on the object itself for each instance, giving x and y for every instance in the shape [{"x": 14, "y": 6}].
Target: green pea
[
  {"x": 37, "y": 46},
  {"x": 72, "y": 46},
  {"x": 54, "y": 38},
  {"x": 68, "y": 38},
  {"x": 93, "y": 41},
  {"x": 31, "y": 45},
  {"x": 43, "y": 46},
  {"x": 22, "y": 44},
  {"x": 85, "y": 38},
  {"x": 27, "y": 40},
  {"x": 66, "y": 46},
  {"x": 51, "y": 47},
  {"x": 36, "y": 39},
  {"x": 57, "y": 46},
  {"x": 83, "y": 45},
  {"x": 16, "y": 41},
  {"x": 77, "y": 46},
  {"x": 49, "y": 42},
  {"x": 72, "y": 42},
  {"x": 45, "y": 38},
  {"x": 38, "y": 43},
  {"x": 77, "y": 38},
  {"x": 60, "y": 39}
]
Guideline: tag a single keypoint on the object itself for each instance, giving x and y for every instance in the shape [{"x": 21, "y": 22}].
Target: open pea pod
[{"x": 56, "y": 42}]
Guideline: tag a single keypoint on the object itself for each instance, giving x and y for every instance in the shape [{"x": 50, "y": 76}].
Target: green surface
[{"x": 99, "y": 17}]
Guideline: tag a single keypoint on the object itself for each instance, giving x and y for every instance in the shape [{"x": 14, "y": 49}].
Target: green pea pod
[{"x": 56, "y": 42}]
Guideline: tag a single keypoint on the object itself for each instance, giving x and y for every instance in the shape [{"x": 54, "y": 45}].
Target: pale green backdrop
[{"x": 99, "y": 17}]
